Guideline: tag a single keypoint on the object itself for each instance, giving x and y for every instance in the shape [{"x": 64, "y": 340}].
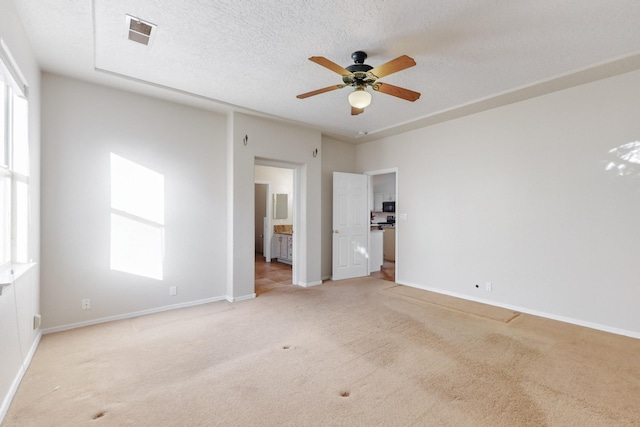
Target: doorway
[
  {"x": 383, "y": 190},
  {"x": 261, "y": 221},
  {"x": 364, "y": 224},
  {"x": 274, "y": 219}
]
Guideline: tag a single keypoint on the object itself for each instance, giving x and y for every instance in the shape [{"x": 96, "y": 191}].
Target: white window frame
[
  {"x": 6, "y": 213},
  {"x": 15, "y": 85}
]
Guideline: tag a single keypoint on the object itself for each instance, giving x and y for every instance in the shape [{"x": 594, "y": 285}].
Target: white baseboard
[
  {"x": 308, "y": 285},
  {"x": 6, "y": 402},
  {"x": 578, "y": 322},
  {"x": 242, "y": 298},
  {"x": 130, "y": 315}
]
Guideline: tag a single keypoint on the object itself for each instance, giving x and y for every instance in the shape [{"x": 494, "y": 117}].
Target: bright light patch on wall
[
  {"x": 136, "y": 248},
  {"x": 627, "y": 159},
  {"x": 137, "y": 219},
  {"x": 137, "y": 190}
]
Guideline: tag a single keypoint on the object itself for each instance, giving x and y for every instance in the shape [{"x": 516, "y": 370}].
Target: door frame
[
  {"x": 267, "y": 238},
  {"x": 352, "y": 270},
  {"x": 295, "y": 205},
  {"x": 385, "y": 172}
]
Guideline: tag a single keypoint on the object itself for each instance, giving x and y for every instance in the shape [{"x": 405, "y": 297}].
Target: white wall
[
  {"x": 82, "y": 124},
  {"x": 520, "y": 196},
  {"x": 21, "y": 301},
  {"x": 337, "y": 156},
  {"x": 271, "y": 140},
  {"x": 384, "y": 183}
]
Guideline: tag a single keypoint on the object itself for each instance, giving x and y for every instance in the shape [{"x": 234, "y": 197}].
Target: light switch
[{"x": 402, "y": 217}]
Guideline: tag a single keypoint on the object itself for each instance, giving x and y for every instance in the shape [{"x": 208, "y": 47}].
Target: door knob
[{"x": 336, "y": 231}]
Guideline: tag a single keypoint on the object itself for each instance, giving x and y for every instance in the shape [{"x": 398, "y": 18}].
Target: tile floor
[
  {"x": 270, "y": 275},
  {"x": 274, "y": 274},
  {"x": 387, "y": 272}
]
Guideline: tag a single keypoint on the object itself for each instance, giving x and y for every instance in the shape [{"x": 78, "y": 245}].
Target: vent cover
[{"x": 140, "y": 31}]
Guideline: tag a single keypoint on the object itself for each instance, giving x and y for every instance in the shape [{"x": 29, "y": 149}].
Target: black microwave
[{"x": 388, "y": 206}]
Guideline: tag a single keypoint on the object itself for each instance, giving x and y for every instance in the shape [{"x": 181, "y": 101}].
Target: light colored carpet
[
  {"x": 344, "y": 353},
  {"x": 470, "y": 307}
]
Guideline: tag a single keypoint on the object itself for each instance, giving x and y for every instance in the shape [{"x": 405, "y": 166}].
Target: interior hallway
[{"x": 270, "y": 275}]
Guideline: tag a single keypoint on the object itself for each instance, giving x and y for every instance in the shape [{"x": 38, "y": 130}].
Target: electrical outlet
[
  {"x": 86, "y": 304},
  {"x": 37, "y": 321},
  {"x": 487, "y": 286},
  {"x": 173, "y": 290}
]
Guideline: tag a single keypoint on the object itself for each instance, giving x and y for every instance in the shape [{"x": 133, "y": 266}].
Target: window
[
  {"x": 5, "y": 180},
  {"x": 5, "y": 217},
  {"x": 14, "y": 163}
]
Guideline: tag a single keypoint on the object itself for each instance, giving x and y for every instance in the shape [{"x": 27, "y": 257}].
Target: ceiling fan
[{"x": 360, "y": 75}]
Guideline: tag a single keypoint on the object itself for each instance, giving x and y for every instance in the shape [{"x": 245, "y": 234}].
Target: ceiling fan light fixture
[
  {"x": 360, "y": 75},
  {"x": 360, "y": 98}
]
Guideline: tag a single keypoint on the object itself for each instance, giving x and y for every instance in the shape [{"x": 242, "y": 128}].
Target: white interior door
[{"x": 350, "y": 225}]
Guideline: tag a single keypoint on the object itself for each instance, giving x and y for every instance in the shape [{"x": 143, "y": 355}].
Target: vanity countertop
[{"x": 283, "y": 229}]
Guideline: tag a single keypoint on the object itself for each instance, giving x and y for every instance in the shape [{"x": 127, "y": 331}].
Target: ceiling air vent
[{"x": 140, "y": 31}]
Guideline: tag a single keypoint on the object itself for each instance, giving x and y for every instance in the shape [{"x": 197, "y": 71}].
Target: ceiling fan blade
[
  {"x": 321, "y": 60},
  {"x": 355, "y": 111},
  {"x": 392, "y": 66},
  {"x": 397, "y": 91},
  {"x": 319, "y": 91}
]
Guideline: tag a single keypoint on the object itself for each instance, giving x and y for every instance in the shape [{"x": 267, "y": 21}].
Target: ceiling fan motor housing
[
  {"x": 359, "y": 77},
  {"x": 359, "y": 57},
  {"x": 355, "y": 68}
]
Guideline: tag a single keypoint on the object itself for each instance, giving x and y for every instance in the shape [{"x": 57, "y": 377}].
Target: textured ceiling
[{"x": 252, "y": 56}]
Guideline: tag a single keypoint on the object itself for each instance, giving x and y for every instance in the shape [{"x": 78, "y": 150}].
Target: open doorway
[
  {"x": 274, "y": 219},
  {"x": 261, "y": 221},
  {"x": 383, "y": 190}
]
